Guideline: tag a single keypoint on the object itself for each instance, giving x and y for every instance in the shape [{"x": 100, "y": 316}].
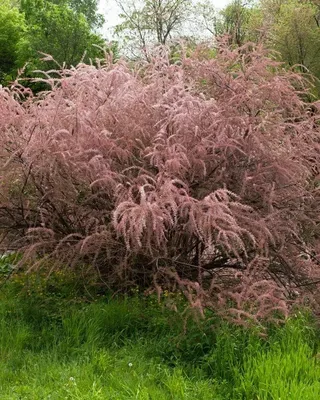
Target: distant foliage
[{"x": 200, "y": 177}]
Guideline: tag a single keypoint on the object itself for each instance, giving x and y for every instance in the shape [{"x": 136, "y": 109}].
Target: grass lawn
[{"x": 57, "y": 342}]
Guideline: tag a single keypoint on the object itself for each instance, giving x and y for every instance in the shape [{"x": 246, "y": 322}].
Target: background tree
[
  {"x": 207, "y": 18},
  {"x": 12, "y": 31},
  {"x": 241, "y": 21},
  {"x": 295, "y": 33},
  {"x": 58, "y": 30},
  {"x": 291, "y": 27},
  {"x": 235, "y": 19},
  {"x": 89, "y": 8},
  {"x": 149, "y": 22}
]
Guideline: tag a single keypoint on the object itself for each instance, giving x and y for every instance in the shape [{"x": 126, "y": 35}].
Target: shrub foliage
[{"x": 200, "y": 176}]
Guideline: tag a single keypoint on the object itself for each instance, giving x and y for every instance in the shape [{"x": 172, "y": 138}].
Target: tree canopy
[
  {"x": 58, "y": 30},
  {"x": 149, "y": 22},
  {"x": 64, "y": 29},
  {"x": 12, "y": 37}
]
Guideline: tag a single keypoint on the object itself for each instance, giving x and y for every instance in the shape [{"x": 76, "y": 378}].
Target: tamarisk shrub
[{"x": 200, "y": 177}]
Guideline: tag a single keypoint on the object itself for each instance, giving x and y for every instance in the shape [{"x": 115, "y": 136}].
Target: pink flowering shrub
[{"x": 200, "y": 176}]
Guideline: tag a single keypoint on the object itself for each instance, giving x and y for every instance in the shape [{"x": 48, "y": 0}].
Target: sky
[{"x": 109, "y": 9}]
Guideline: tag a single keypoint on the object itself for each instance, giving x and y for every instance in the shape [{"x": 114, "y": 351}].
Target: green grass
[{"x": 58, "y": 343}]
